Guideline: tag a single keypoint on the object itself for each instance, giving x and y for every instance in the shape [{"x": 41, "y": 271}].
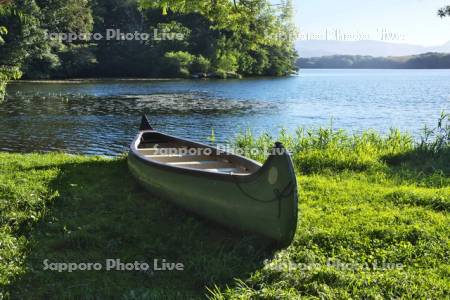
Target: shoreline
[
  {"x": 140, "y": 79},
  {"x": 93, "y": 80}
]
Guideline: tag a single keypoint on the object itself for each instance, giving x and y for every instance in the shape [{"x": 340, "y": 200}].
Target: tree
[
  {"x": 7, "y": 74},
  {"x": 4, "y": 78},
  {"x": 118, "y": 58},
  {"x": 254, "y": 37},
  {"x": 7, "y": 71},
  {"x": 445, "y": 11},
  {"x": 25, "y": 37},
  {"x": 228, "y": 37},
  {"x": 65, "y": 59}
]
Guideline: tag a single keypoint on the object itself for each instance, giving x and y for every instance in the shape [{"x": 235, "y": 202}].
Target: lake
[{"x": 102, "y": 117}]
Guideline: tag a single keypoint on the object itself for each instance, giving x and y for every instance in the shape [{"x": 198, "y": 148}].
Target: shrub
[
  {"x": 200, "y": 64},
  {"x": 178, "y": 63},
  {"x": 227, "y": 62},
  {"x": 6, "y": 74}
]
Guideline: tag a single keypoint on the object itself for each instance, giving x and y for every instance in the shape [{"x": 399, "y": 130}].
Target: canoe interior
[{"x": 175, "y": 152}]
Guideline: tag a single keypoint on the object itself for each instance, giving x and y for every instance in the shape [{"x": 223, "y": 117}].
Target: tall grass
[
  {"x": 436, "y": 140},
  {"x": 315, "y": 150}
]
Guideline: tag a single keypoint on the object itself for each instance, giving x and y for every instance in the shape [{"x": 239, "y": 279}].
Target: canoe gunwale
[{"x": 198, "y": 172}]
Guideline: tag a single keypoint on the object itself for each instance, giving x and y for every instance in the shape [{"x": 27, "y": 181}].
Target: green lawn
[{"x": 364, "y": 200}]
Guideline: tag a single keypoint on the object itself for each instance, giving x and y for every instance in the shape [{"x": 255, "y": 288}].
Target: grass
[
  {"x": 88, "y": 209},
  {"x": 364, "y": 199}
]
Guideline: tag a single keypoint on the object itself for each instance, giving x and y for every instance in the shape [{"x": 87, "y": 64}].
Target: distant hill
[
  {"x": 316, "y": 48},
  {"x": 422, "y": 61}
]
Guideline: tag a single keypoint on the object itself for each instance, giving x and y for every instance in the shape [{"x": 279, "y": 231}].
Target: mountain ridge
[
  {"x": 318, "y": 48},
  {"x": 430, "y": 60}
]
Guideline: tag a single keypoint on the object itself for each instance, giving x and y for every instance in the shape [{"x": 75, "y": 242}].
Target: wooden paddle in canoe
[{"x": 232, "y": 190}]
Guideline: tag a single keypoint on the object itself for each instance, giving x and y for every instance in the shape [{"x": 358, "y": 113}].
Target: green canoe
[{"x": 226, "y": 188}]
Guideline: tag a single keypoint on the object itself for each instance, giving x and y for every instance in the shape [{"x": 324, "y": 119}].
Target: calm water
[{"x": 103, "y": 117}]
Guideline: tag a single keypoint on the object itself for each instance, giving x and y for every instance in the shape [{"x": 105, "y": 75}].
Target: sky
[{"x": 400, "y": 21}]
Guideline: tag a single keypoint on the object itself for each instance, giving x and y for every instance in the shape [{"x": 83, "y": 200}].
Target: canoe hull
[
  {"x": 261, "y": 199},
  {"x": 248, "y": 203}
]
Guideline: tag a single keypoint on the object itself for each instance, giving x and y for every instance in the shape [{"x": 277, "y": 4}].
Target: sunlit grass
[{"x": 364, "y": 199}]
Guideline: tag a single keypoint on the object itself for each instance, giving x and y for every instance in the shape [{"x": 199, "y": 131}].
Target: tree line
[{"x": 221, "y": 38}]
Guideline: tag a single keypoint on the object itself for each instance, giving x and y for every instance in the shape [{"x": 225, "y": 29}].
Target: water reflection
[
  {"x": 106, "y": 125},
  {"x": 128, "y": 105}
]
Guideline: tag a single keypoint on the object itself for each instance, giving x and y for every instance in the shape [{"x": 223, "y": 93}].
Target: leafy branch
[{"x": 444, "y": 12}]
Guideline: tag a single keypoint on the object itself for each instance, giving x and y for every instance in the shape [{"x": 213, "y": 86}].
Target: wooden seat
[
  {"x": 184, "y": 158},
  {"x": 205, "y": 164},
  {"x": 177, "y": 154}
]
